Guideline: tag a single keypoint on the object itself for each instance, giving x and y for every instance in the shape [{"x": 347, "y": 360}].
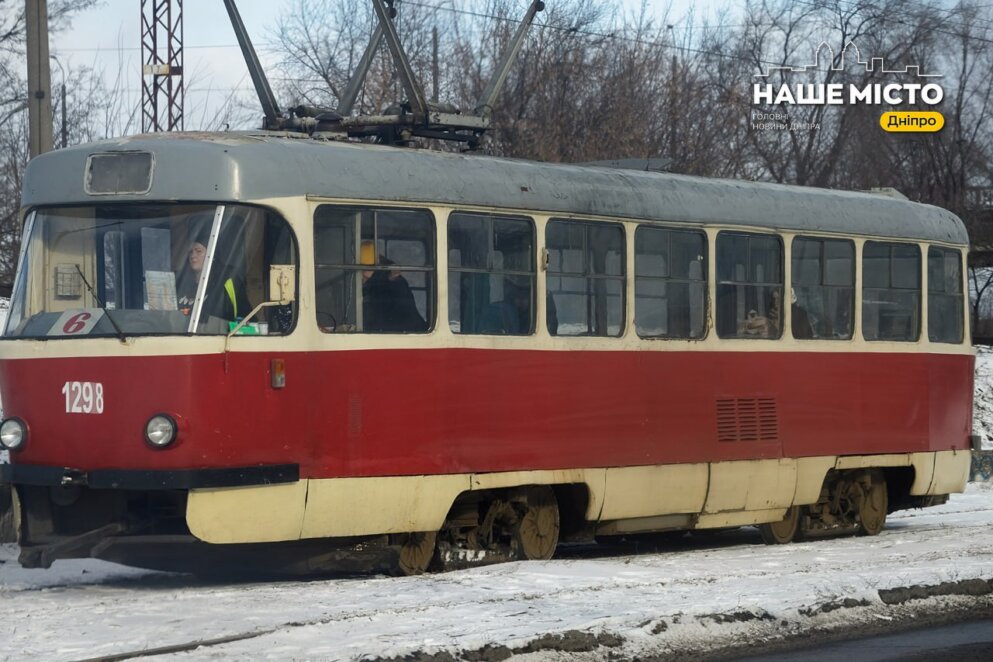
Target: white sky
[{"x": 108, "y": 38}]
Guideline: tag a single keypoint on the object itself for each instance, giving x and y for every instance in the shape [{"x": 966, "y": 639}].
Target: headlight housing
[
  {"x": 160, "y": 431},
  {"x": 13, "y": 434}
]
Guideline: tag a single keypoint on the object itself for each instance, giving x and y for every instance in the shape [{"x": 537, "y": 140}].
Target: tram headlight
[
  {"x": 13, "y": 434},
  {"x": 160, "y": 431}
]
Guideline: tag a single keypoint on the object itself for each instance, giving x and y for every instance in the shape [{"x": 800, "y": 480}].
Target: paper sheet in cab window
[{"x": 160, "y": 290}]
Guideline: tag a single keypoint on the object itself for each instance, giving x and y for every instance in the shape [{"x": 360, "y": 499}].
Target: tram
[{"x": 407, "y": 358}]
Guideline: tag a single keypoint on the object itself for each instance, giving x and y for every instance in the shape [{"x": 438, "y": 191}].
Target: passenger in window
[
  {"x": 512, "y": 315},
  {"x": 754, "y": 325},
  {"x": 764, "y": 326},
  {"x": 388, "y": 304},
  {"x": 802, "y": 328},
  {"x": 775, "y": 313},
  {"x": 225, "y": 297},
  {"x": 551, "y": 314}
]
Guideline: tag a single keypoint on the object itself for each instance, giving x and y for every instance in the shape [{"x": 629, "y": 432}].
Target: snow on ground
[
  {"x": 982, "y": 412},
  {"x": 653, "y": 600}
]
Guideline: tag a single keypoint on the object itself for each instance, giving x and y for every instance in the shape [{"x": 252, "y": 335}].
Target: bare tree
[{"x": 13, "y": 132}]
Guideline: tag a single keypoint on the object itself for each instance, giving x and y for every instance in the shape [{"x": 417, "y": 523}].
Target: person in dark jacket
[
  {"x": 388, "y": 304},
  {"x": 512, "y": 315}
]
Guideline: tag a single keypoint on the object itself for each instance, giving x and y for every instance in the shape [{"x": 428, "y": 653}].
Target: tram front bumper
[
  {"x": 148, "y": 479},
  {"x": 119, "y": 515}
]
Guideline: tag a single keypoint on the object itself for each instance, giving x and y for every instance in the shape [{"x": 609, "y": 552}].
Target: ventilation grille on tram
[{"x": 747, "y": 419}]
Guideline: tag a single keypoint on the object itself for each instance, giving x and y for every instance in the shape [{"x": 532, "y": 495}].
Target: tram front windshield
[{"x": 127, "y": 270}]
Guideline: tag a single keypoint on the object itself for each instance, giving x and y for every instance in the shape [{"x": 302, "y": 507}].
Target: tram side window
[
  {"x": 891, "y": 291},
  {"x": 585, "y": 294},
  {"x": 670, "y": 286},
  {"x": 823, "y": 289},
  {"x": 944, "y": 298},
  {"x": 749, "y": 285},
  {"x": 491, "y": 274},
  {"x": 375, "y": 270}
]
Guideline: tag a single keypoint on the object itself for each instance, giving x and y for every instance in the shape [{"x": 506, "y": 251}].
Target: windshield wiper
[{"x": 106, "y": 311}]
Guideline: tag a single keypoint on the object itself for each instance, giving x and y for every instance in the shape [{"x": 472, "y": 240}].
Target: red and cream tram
[{"x": 442, "y": 356}]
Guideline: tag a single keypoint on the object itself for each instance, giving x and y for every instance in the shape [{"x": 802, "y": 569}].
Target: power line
[
  {"x": 276, "y": 47},
  {"x": 590, "y": 33},
  {"x": 99, "y": 49},
  {"x": 850, "y": 7},
  {"x": 600, "y": 35}
]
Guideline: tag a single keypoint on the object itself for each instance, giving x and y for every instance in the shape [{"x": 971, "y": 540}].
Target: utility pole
[
  {"x": 65, "y": 126},
  {"x": 39, "y": 78},
  {"x": 162, "y": 65},
  {"x": 435, "y": 74}
]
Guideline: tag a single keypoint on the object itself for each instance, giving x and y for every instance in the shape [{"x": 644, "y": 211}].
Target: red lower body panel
[{"x": 397, "y": 412}]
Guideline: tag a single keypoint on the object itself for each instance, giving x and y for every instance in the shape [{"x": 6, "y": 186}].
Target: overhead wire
[
  {"x": 851, "y": 7},
  {"x": 451, "y": 8}
]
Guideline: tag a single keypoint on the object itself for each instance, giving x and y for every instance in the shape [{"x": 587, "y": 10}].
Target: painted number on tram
[
  {"x": 79, "y": 322},
  {"x": 76, "y": 323},
  {"x": 83, "y": 397}
]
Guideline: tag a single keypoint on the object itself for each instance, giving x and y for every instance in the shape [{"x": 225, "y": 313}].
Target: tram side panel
[
  {"x": 436, "y": 411},
  {"x": 950, "y": 391},
  {"x": 409, "y": 412}
]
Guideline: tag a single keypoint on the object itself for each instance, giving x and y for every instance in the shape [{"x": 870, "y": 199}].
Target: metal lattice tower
[{"x": 162, "y": 70}]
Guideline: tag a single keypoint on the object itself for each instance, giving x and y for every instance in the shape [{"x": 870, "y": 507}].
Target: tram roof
[{"x": 243, "y": 167}]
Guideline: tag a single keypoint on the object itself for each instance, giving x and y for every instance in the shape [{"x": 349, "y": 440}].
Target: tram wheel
[
  {"x": 873, "y": 505},
  {"x": 784, "y": 531},
  {"x": 416, "y": 551},
  {"x": 536, "y": 532}
]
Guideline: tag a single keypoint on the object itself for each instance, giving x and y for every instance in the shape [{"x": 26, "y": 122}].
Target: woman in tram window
[{"x": 225, "y": 297}]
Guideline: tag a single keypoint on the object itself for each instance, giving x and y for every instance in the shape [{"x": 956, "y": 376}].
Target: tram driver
[{"x": 225, "y": 297}]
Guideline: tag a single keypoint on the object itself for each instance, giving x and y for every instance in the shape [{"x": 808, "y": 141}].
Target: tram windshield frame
[{"x": 147, "y": 269}]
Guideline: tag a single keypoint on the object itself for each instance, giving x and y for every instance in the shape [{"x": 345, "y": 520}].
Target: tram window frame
[
  {"x": 870, "y": 280},
  {"x": 937, "y": 273},
  {"x": 254, "y": 245},
  {"x": 351, "y": 271},
  {"x": 643, "y": 282},
  {"x": 500, "y": 316},
  {"x": 590, "y": 278},
  {"x": 137, "y": 257},
  {"x": 274, "y": 252},
  {"x": 827, "y": 283},
  {"x": 754, "y": 323}
]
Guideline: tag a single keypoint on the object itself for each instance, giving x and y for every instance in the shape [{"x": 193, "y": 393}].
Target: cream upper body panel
[{"x": 314, "y": 174}]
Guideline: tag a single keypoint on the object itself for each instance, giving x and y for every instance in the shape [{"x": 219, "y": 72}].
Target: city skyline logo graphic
[{"x": 875, "y": 65}]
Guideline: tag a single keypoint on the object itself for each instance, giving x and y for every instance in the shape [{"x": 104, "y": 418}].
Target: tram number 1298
[{"x": 83, "y": 397}]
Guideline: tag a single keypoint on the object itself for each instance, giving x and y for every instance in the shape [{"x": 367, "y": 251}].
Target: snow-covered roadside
[
  {"x": 982, "y": 412},
  {"x": 700, "y": 595}
]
